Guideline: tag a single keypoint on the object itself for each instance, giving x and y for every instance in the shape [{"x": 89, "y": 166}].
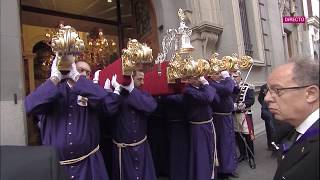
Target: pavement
[{"x": 265, "y": 165}]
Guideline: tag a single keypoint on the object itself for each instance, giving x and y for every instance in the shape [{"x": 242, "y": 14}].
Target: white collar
[{"x": 307, "y": 123}]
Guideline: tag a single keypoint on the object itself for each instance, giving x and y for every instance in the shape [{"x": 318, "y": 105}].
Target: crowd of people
[{"x": 206, "y": 123}]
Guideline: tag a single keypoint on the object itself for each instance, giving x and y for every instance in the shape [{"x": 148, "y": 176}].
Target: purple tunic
[
  {"x": 131, "y": 127},
  {"x": 198, "y": 101},
  {"x": 179, "y": 140},
  {"x": 226, "y": 145},
  {"x": 73, "y": 127}
]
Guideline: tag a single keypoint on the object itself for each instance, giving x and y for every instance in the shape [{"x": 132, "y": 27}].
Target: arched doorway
[{"x": 118, "y": 19}]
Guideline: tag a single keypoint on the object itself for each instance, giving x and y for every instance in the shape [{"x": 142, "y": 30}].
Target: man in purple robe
[
  {"x": 132, "y": 158},
  {"x": 178, "y": 135},
  {"x": 68, "y": 107},
  {"x": 223, "y": 121},
  {"x": 197, "y": 97}
]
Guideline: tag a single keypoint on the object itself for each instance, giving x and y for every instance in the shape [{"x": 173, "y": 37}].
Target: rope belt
[
  {"x": 123, "y": 145},
  {"x": 215, "y": 154},
  {"x": 222, "y": 114},
  {"x": 72, "y": 161},
  {"x": 201, "y": 122}
]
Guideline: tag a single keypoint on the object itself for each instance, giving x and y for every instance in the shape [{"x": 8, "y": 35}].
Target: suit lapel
[{"x": 301, "y": 148}]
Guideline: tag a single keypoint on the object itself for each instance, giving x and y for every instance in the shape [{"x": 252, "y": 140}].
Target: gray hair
[{"x": 306, "y": 71}]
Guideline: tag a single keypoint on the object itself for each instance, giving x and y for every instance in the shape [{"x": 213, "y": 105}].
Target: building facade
[{"x": 251, "y": 27}]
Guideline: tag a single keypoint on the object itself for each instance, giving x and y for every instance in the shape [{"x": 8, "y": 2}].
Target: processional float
[{"x": 166, "y": 75}]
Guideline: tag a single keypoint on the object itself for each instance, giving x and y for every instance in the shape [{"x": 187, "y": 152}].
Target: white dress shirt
[{"x": 306, "y": 124}]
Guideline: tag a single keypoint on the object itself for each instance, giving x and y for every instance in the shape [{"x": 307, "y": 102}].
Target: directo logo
[{"x": 294, "y": 19}]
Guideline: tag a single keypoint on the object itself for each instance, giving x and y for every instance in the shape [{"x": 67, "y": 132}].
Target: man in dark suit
[{"x": 293, "y": 97}]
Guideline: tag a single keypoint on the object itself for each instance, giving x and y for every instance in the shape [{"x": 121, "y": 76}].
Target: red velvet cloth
[
  {"x": 153, "y": 83},
  {"x": 157, "y": 85},
  {"x": 110, "y": 70}
]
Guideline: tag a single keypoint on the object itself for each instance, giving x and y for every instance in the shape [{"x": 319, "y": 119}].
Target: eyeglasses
[{"x": 276, "y": 91}]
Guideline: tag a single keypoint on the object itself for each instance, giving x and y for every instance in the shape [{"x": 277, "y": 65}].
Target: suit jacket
[
  {"x": 30, "y": 163},
  {"x": 301, "y": 160}
]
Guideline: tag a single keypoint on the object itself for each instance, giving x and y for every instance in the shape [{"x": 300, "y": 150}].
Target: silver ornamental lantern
[
  {"x": 185, "y": 33},
  {"x": 182, "y": 49}
]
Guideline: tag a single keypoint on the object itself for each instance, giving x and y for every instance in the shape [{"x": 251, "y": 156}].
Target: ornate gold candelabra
[{"x": 98, "y": 49}]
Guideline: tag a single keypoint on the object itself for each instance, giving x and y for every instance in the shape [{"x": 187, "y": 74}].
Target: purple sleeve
[
  {"x": 225, "y": 87},
  {"x": 40, "y": 100},
  {"x": 142, "y": 101},
  {"x": 204, "y": 95},
  {"x": 97, "y": 96},
  {"x": 173, "y": 99}
]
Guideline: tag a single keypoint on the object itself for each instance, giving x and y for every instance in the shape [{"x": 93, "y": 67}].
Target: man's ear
[{"x": 312, "y": 94}]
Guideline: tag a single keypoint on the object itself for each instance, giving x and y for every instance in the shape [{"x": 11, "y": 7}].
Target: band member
[
  {"x": 68, "y": 107},
  {"x": 223, "y": 121},
  {"x": 132, "y": 158},
  {"x": 243, "y": 121}
]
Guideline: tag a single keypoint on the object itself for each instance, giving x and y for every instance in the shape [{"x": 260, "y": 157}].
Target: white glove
[
  {"x": 235, "y": 106},
  {"x": 115, "y": 84},
  {"x": 74, "y": 74},
  {"x": 241, "y": 106},
  {"x": 96, "y": 77},
  {"x": 107, "y": 84},
  {"x": 203, "y": 80},
  {"x": 54, "y": 69},
  {"x": 130, "y": 87},
  {"x": 225, "y": 74}
]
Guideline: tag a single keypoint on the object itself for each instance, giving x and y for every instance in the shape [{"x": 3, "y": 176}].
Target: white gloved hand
[
  {"x": 203, "y": 80},
  {"x": 74, "y": 74},
  {"x": 225, "y": 74},
  {"x": 235, "y": 106},
  {"x": 130, "y": 87},
  {"x": 241, "y": 106},
  {"x": 115, "y": 84},
  {"x": 54, "y": 69},
  {"x": 107, "y": 84},
  {"x": 96, "y": 77}
]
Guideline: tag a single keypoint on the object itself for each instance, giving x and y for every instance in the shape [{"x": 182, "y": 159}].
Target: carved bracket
[{"x": 208, "y": 34}]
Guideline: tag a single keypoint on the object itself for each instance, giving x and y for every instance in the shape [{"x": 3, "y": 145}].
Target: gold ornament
[
  {"x": 245, "y": 62},
  {"x": 214, "y": 64},
  {"x": 67, "y": 44},
  {"x": 135, "y": 55}
]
